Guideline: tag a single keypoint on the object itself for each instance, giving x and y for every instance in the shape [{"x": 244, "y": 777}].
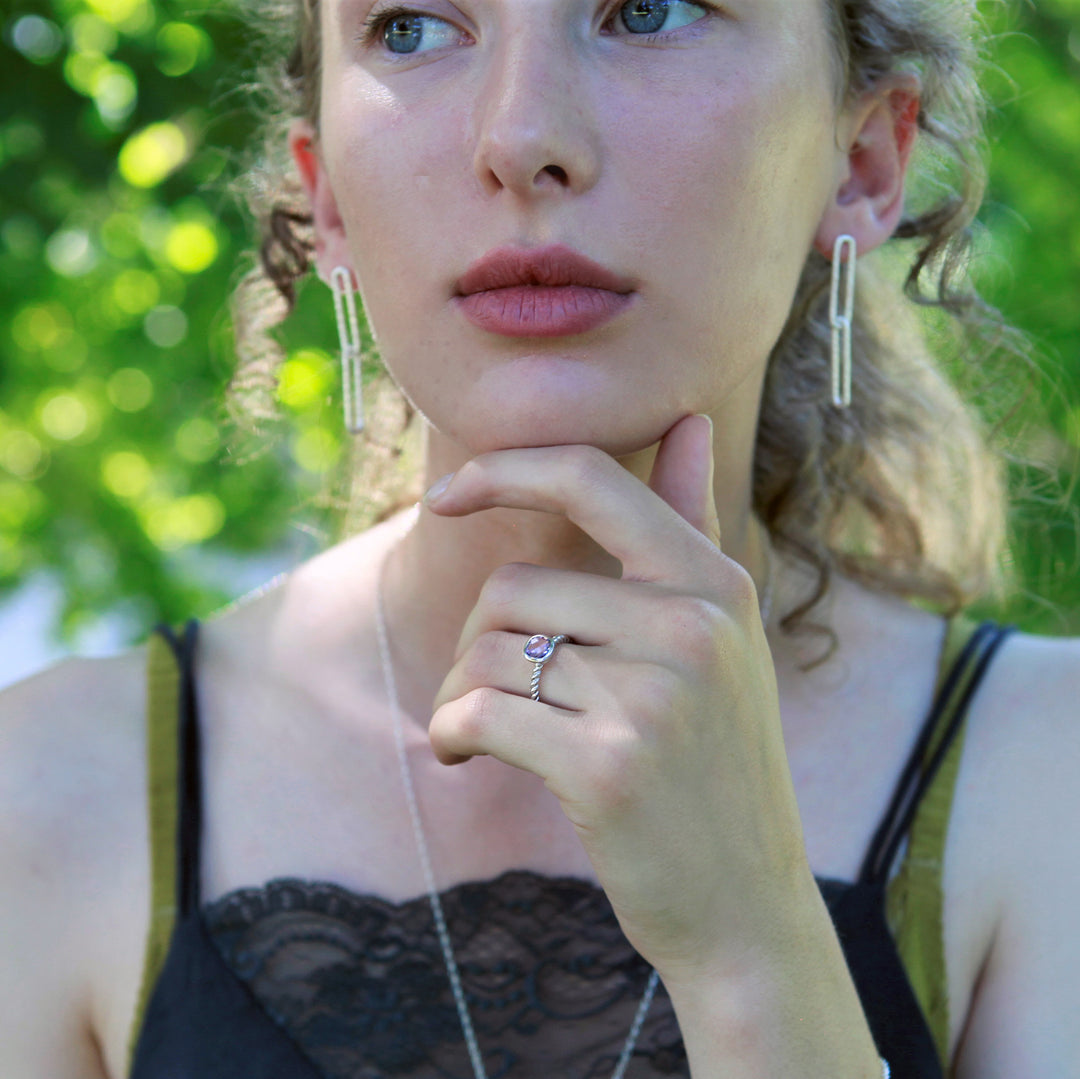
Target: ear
[
  {"x": 879, "y": 133},
  {"x": 331, "y": 247}
]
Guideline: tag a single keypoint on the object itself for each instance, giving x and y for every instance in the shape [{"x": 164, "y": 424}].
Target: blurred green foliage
[
  {"x": 1031, "y": 271},
  {"x": 118, "y": 248},
  {"x": 118, "y": 251}
]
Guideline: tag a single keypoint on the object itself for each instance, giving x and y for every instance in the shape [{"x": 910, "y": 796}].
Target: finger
[
  {"x": 682, "y": 474},
  {"x": 522, "y": 598},
  {"x": 568, "y": 679},
  {"x": 651, "y": 540},
  {"x": 519, "y": 731}
]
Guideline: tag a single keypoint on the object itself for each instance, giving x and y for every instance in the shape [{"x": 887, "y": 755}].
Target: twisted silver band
[{"x": 538, "y": 650}]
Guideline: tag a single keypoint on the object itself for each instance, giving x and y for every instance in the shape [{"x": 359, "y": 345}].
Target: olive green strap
[
  {"x": 915, "y": 900},
  {"x": 162, "y": 712}
]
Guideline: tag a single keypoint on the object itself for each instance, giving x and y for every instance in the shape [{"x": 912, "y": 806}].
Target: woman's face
[{"x": 688, "y": 148}]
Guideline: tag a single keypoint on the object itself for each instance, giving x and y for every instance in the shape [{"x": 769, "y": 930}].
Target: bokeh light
[
  {"x": 181, "y": 47},
  {"x": 38, "y": 39},
  {"x": 126, "y": 474},
  {"x": 305, "y": 379},
  {"x": 166, "y": 326},
  {"x": 180, "y": 522},
  {"x": 130, "y": 389},
  {"x": 64, "y": 416},
  {"x": 152, "y": 154},
  {"x": 191, "y": 246}
]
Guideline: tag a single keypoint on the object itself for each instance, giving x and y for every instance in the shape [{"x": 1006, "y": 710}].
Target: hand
[{"x": 658, "y": 729}]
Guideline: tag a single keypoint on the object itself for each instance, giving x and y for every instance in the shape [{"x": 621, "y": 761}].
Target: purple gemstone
[{"x": 538, "y": 647}]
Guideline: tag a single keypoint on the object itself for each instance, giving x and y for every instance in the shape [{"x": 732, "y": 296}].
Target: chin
[
  {"x": 547, "y": 401},
  {"x": 509, "y": 431}
]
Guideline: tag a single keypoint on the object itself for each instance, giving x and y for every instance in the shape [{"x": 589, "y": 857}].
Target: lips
[
  {"x": 541, "y": 292},
  {"x": 549, "y": 266}
]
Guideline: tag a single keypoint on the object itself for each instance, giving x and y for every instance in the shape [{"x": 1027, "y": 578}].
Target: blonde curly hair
[{"x": 901, "y": 491}]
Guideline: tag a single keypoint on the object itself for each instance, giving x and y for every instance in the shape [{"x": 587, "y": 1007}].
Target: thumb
[{"x": 682, "y": 473}]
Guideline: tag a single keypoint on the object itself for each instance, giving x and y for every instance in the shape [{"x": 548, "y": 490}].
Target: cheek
[
  {"x": 392, "y": 167},
  {"x": 721, "y": 217},
  {"x": 729, "y": 201}
]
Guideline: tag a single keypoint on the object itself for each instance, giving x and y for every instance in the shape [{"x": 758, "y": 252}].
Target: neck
[{"x": 434, "y": 575}]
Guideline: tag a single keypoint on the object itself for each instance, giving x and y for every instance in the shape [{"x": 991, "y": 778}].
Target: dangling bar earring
[
  {"x": 348, "y": 328},
  {"x": 841, "y": 323}
]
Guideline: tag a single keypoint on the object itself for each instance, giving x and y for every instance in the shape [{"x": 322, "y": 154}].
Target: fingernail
[{"x": 438, "y": 488}]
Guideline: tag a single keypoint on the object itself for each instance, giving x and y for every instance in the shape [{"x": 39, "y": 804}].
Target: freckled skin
[{"x": 700, "y": 165}]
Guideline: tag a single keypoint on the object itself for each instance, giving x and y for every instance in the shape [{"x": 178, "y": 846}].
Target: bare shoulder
[
  {"x": 1028, "y": 728},
  {"x": 66, "y": 735},
  {"x": 72, "y": 841},
  {"x": 1022, "y": 772}
]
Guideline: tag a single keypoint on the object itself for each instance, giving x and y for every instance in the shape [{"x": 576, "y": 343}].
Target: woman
[{"x": 593, "y": 244}]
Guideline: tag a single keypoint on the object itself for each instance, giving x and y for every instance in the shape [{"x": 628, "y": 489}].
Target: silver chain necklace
[{"x": 425, "y": 858}]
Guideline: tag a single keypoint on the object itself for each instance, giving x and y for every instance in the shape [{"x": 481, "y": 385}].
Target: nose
[{"x": 534, "y": 123}]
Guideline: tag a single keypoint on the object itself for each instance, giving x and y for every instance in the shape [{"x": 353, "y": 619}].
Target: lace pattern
[{"x": 360, "y": 984}]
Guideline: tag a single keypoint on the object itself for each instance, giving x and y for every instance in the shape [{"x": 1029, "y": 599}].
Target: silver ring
[{"x": 538, "y": 650}]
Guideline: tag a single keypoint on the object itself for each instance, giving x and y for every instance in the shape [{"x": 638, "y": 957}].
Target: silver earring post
[
  {"x": 840, "y": 317},
  {"x": 348, "y": 327}
]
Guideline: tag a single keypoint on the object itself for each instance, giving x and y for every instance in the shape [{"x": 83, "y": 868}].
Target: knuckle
[
  {"x": 477, "y": 709},
  {"x": 484, "y": 657},
  {"x": 510, "y": 574},
  {"x": 474, "y": 471},
  {"x": 588, "y": 466},
  {"x": 693, "y": 625},
  {"x": 504, "y": 584},
  {"x": 612, "y": 771},
  {"x": 740, "y": 592},
  {"x": 658, "y": 691},
  {"x": 474, "y": 477}
]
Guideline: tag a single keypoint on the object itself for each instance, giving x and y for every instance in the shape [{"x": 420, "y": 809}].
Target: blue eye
[
  {"x": 651, "y": 16},
  {"x": 406, "y": 32}
]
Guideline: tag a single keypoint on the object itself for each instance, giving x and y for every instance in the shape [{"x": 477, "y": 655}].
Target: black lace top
[
  {"x": 551, "y": 982},
  {"x": 306, "y": 980}
]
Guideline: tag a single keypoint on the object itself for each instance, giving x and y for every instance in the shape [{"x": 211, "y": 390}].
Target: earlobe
[{"x": 869, "y": 201}]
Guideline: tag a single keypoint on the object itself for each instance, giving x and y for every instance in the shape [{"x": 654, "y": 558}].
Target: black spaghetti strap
[
  {"x": 914, "y": 779},
  {"x": 868, "y": 871},
  {"x": 189, "y": 780},
  {"x": 990, "y": 647}
]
